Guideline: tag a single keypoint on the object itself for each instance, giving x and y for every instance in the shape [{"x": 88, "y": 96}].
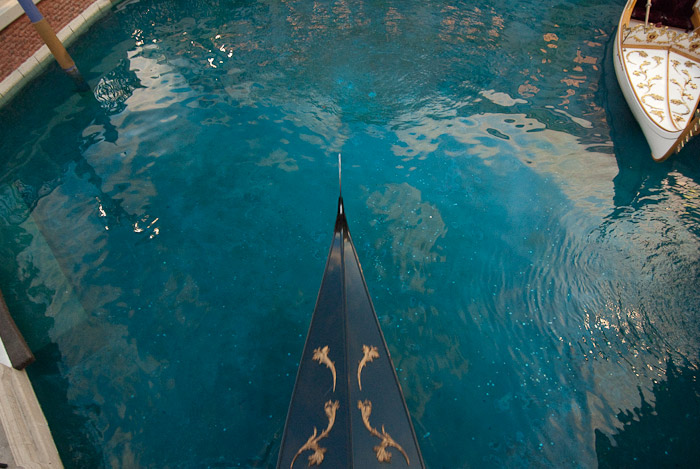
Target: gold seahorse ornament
[
  {"x": 321, "y": 356},
  {"x": 381, "y": 450},
  {"x": 312, "y": 443},
  {"x": 370, "y": 353}
]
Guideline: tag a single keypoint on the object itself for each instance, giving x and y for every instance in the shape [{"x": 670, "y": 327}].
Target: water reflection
[
  {"x": 115, "y": 87},
  {"x": 658, "y": 432},
  {"x": 533, "y": 275}
]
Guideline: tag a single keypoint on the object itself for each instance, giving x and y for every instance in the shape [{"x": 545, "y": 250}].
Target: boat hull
[
  {"x": 658, "y": 72},
  {"x": 660, "y": 141},
  {"x": 347, "y": 388}
]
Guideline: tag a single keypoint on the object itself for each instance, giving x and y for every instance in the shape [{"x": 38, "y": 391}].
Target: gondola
[
  {"x": 657, "y": 63},
  {"x": 347, "y": 408}
]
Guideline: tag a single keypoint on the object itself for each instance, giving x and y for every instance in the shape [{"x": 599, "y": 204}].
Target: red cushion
[{"x": 673, "y": 13}]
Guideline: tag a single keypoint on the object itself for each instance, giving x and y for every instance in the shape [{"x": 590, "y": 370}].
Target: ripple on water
[{"x": 535, "y": 280}]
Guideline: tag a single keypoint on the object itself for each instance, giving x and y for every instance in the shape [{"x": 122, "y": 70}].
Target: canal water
[{"x": 535, "y": 274}]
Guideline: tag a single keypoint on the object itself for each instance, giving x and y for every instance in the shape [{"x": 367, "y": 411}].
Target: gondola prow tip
[{"x": 340, "y": 174}]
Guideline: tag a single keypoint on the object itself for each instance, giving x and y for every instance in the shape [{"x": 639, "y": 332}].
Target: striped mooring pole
[{"x": 54, "y": 44}]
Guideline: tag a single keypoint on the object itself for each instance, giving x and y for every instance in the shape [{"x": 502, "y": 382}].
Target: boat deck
[{"x": 663, "y": 65}]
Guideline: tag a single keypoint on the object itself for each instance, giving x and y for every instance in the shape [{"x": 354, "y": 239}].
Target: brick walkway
[{"x": 19, "y": 40}]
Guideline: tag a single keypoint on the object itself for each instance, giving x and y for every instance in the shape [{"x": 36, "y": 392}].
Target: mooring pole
[
  {"x": 54, "y": 44},
  {"x": 646, "y": 16}
]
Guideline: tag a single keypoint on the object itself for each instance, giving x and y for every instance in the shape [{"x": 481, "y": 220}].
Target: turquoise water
[{"x": 535, "y": 274}]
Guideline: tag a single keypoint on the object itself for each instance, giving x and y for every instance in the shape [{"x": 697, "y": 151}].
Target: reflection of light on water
[
  {"x": 102, "y": 212},
  {"x": 609, "y": 346},
  {"x": 684, "y": 199},
  {"x": 585, "y": 176},
  {"x": 138, "y": 37},
  {"x": 154, "y": 230},
  {"x": 503, "y": 99},
  {"x": 656, "y": 240},
  {"x": 285, "y": 68},
  {"x": 582, "y": 122},
  {"x": 469, "y": 24}
]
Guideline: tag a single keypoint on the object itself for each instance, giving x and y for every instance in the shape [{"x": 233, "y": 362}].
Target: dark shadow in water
[
  {"x": 631, "y": 150},
  {"x": 50, "y": 386},
  {"x": 660, "y": 435}
]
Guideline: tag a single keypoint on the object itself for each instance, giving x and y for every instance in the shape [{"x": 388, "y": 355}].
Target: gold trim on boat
[
  {"x": 321, "y": 356},
  {"x": 370, "y": 353},
  {"x": 656, "y": 78},
  {"x": 381, "y": 450},
  {"x": 664, "y": 38},
  {"x": 312, "y": 443}
]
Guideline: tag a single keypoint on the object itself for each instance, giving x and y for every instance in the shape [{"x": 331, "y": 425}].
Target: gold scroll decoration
[
  {"x": 648, "y": 81},
  {"x": 685, "y": 90},
  {"x": 662, "y": 38},
  {"x": 370, "y": 353},
  {"x": 381, "y": 450},
  {"x": 321, "y": 356},
  {"x": 312, "y": 443}
]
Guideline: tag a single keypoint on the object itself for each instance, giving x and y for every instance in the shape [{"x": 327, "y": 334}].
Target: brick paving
[{"x": 19, "y": 40}]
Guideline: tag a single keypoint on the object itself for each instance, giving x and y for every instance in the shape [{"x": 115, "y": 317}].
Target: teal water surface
[{"x": 536, "y": 276}]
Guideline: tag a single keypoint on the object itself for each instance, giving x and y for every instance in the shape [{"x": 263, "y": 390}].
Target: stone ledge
[
  {"x": 11, "y": 85},
  {"x": 10, "y": 10},
  {"x": 26, "y": 433}
]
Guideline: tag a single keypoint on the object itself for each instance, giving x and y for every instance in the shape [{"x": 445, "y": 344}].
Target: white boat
[{"x": 657, "y": 63}]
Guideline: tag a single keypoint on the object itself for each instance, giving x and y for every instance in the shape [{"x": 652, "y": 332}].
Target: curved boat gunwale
[{"x": 678, "y": 137}]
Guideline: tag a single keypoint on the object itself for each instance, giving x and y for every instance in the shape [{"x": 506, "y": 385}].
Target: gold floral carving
[
  {"x": 647, "y": 81},
  {"x": 690, "y": 131},
  {"x": 370, "y": 353},
  {"x": 381, "y": 450},
  {"x": 312, "y": 443},
  {"x": 321, "y": 356},
  {"x": 663, "y": 63},
  {"x": 684, "y": 90},
  {"x": 639, "y": 35}
]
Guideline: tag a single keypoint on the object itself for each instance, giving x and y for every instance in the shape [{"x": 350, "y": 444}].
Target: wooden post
[{"x": 53, "y": 43}]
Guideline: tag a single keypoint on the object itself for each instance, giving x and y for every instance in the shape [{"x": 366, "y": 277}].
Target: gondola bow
[{"x": 347, "y": 408}]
